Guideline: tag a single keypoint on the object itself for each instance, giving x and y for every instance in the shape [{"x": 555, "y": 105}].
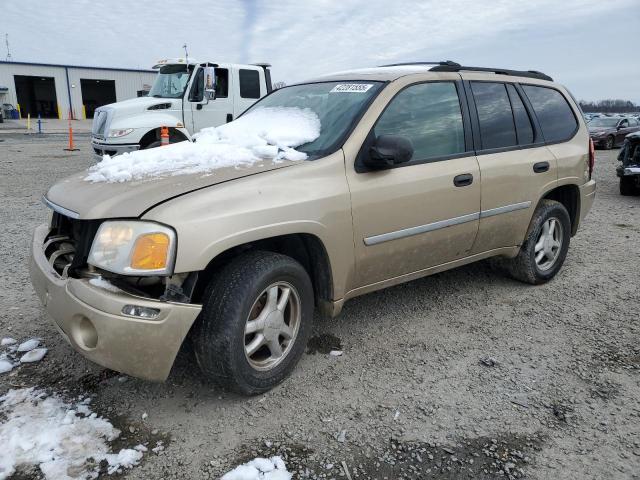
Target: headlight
[
  {"x": 120, "y": 133},
  {"x": 134, "y": 248}
]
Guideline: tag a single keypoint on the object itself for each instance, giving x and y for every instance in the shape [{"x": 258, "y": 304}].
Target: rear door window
[
  {"x": 555, "y": 116},
  {"x": 249, "y": 83},
  {"x": 429, "y": 115},
  {"x": 524, "y": 129},
  {"x": 497, "y": 128}
]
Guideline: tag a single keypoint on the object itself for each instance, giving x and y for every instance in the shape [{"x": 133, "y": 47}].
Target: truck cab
[{"x": 179, "y": 101}]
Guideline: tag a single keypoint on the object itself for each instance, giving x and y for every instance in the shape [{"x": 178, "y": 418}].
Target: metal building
[{"x": 60, "y": 91}]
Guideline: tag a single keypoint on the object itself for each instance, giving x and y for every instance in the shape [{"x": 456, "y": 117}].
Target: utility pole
[{"x": 6, "y": 41}]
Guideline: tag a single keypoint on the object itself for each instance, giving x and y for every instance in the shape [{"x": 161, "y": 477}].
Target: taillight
[{"x": 592, "y": 157}]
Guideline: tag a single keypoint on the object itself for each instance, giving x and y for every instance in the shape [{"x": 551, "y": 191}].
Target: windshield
[
  {"x": 338, "y": 105},
  {"x": 604, "y": 122},
  {"x": 170, "y": 82}
]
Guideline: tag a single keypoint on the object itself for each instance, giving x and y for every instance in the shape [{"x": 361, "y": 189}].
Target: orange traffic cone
[{"x": 164, "y": 136}]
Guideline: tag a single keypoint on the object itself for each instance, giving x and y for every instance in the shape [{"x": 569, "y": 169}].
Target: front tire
[
  {"x": 610, "y": 142},
  {"x": 545, "y": 247},
  {"x": 255, "y": 322}
]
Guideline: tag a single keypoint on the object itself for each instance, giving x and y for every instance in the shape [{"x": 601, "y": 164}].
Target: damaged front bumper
[{"x": 90, "y": 318}]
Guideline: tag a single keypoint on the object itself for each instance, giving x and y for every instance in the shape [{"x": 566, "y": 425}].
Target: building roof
[{"x": 85, "y": 67}]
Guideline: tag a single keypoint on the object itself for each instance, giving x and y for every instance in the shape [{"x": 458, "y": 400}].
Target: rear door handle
[
  {"x": 463, "y": 180},
  {"x": 540, "y": 167}
]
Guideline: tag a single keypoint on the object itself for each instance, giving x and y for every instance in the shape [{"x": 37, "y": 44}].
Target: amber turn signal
[{"x": 150, "y": 252}]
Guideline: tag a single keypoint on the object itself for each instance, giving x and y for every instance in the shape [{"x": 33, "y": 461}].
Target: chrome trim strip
[
  {"x": 429, "y": 227},
  {"x": 59, "y": 209},
  {"x": 506, "y": 209}
]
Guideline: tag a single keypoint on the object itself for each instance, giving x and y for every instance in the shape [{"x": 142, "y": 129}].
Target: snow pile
[
  {"x": 66, "y": 441},
  {"x": 26, "y": 352},
  {"x": 265, "y": 133},
  {"x": 260, "y": 469},
  {"x": 104, "y": 284}
]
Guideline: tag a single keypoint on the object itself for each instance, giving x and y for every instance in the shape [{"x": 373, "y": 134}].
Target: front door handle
[
  {"x": 541, "y": 167},
  {"x": 463, "y": 180}
]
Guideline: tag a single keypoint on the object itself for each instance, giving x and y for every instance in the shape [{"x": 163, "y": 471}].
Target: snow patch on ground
[
  {"x": 8, "y": 341},
  {"x": 28, "y": 345},
  {"x": 260, "y": 469},
  {"x": 104, "y": 284},
  {"x": 265, "y": 133},
  {"x": 5, "y": 365},
  {"x": 66, "y": 441},
  {"x": 34, "y": 355}
]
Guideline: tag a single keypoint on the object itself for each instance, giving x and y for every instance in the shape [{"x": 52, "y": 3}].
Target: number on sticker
[{"x": 351, "y": 88}]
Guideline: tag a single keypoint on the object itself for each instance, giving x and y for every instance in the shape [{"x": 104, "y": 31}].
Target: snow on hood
[{"x": 265, "y": 133}]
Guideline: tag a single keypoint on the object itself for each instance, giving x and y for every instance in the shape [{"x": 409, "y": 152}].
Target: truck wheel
[
  {"x": 628, "y": 186},
  {"x": 255, "y": 322},
  {"x": 610, "y": 142},
  {"x": 545, "y": 247}
]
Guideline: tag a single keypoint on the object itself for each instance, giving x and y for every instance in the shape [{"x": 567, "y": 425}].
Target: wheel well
[
  {"x": 569, "y": 196},
  {"x": 304, "y": 248},
  {"x": 154, "y": 136}
]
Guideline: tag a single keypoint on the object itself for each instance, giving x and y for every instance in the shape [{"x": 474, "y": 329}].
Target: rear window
[
  {"x": 497, "y": 129},
  {"x": 556, "y": 117},
  {"x": 249, "y": 84}
]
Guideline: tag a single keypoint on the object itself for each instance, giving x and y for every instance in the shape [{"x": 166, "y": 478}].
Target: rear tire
[
  {"x": 628, "y": 186},
  {"x": 545, "y": 247},
  {"x": 242, "y": 340}
]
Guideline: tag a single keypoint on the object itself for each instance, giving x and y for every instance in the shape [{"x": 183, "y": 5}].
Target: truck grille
[
  {"x": 68, "y": 243},
  {"x": 99, "y": 126}
]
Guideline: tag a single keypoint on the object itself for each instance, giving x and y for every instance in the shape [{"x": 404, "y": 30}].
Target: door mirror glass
[
  {"x": 209, "y": 79},
  {"x": 388, "y": 151}
]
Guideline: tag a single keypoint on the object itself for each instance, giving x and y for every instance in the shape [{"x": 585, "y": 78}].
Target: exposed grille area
[{"x": 68, "y": 243}]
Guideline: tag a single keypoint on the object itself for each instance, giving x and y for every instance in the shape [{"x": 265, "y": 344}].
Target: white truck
[{"x": 186, "y": 97}]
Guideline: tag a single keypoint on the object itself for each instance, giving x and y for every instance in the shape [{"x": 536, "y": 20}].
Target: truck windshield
[
  {"x": 170, "y": 82},
  {"x": 338, "y": 105}
]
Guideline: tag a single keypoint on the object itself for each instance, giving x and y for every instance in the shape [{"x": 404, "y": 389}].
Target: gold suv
[{"x": 418, "y": 168}]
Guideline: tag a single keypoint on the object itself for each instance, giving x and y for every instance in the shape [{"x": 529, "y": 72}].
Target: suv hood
[{"x": 131, "y": 199}]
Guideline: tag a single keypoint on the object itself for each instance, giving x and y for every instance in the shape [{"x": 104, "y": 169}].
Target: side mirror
[
  {"x": 209, "y": 79},
  {"x": 389, "y": 150}
]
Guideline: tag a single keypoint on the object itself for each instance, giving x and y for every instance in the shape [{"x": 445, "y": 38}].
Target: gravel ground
[{"x": 465, "y": 374}]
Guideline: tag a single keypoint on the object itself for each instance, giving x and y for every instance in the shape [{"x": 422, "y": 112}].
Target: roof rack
[
  {"x": 443, "y": 63},
  {"x": 499, "y": 71}
]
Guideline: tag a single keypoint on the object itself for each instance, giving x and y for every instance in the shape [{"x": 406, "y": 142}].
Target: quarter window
[
  {"x": 524, "y": 130},
  {"x": 555, "y": 116},
  {"x": 429, "y": 115},
  {"x": 497, "y": 128},
  {"x": 249, "y": 83}
]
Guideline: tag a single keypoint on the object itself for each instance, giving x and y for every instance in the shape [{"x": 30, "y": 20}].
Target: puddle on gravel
[
  {"x": 323, "y": 343},
  {"x": 477, "y": 458}
]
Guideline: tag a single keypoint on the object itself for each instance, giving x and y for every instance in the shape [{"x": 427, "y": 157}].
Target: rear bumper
[
  {"x": 587, "y": 196},
  {"x": 100, "y": 148},
  {"x": 90, "y": 319},
  {"x": 628, "y": 171}
]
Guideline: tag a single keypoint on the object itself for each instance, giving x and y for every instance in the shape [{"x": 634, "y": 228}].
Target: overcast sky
[{"x": 591, "y": 46}]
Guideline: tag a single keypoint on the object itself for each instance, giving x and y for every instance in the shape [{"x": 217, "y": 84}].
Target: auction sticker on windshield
[{"x": 351, "y": 87}]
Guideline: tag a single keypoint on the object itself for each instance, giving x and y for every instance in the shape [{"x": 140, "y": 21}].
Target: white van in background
[{"x": 178, "y": 100}]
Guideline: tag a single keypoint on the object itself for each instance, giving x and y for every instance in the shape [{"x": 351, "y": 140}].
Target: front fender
[{"x": 309, "y": 198}]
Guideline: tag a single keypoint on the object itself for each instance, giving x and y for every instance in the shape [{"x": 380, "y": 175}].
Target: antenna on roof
[
  {"x": 186, "y": 55},
  {"x": 6, "y": 41}
]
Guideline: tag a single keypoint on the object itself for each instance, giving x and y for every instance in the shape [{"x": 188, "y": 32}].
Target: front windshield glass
[
  {"x": 603, "y": 122},
  {"x": 338, "y": 105},
  {"x": 170, "y": 82}
]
